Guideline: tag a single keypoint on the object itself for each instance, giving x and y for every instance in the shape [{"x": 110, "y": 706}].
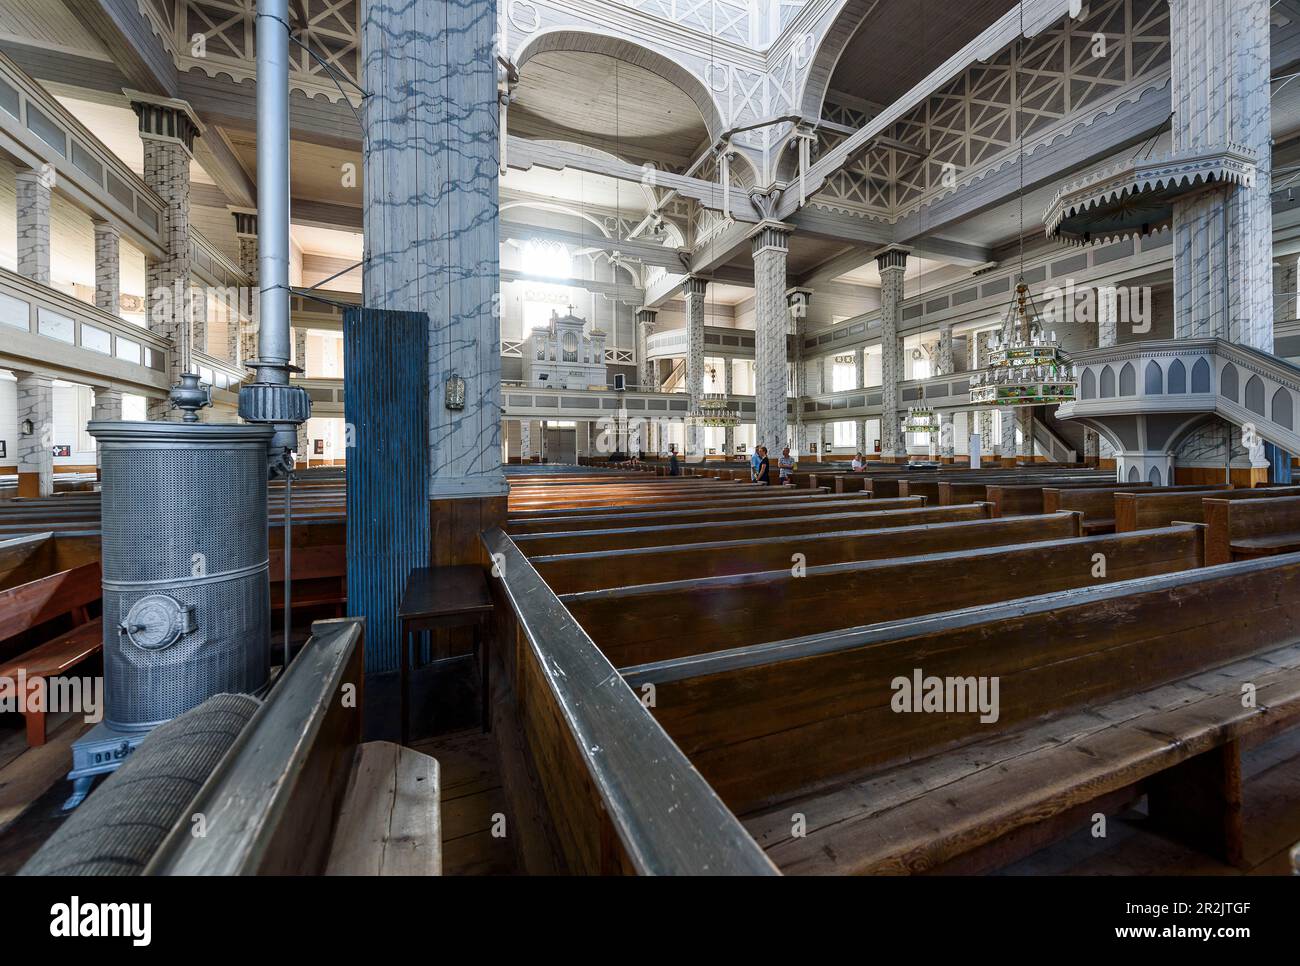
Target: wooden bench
[
  {"x": 1106, "y": 693},
  {"x": 1097, "y": 504},
  {"x": 389, "y": 822},
  {"x": 755, "y": 510},
  {"x": 1018, "y": 499},
  {"x": 881, "y": 513},
  {"x": 660, "y": 621},
  {"x": 298, "y": 794},
  {"x": 575, "y": 572},
  {"x": 1242, "y": 529},
  {"x": 1140, "y": 511},
  {"x": 46, "y": 587}
]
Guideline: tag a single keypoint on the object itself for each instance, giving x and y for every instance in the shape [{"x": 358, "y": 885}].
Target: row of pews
[
  {"x": 50, "y": 578},
  {"x": 704, "y": 675}
]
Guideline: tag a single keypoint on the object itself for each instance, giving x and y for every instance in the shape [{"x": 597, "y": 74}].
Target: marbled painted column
[
  {"x": 729, "y": 432},
  {"x": 1007, "y": 445},
  {"x": 645, "y": 326},
  {"x": 1107, "y": 317},
  {"x": 1025, "y": 421},
  {"x": 986, "y": 432},
  {"x": 947, "y": 447},
  {"x": 108, "y": 267},
  {"x": 35, "y": 450},
  {"x": 693, "y": 291},
  {"x": 1286, "y": 280},
  {"x": 893, "y": 265},
  {"x": 33, "y": 219},
  {"x": 860, "y": 436},
  {"x": 526, "y": 441},
  {"x": 247, "y": 327},
  {"x": 1223, "y": 240},
  {"x": 943, "y": 366},
  {"x": 107, "y": 407},
  {"x": 860, "y": 368},
  {"x": 431, "y": 215},
  {"x": 168, "y": 129},
  {"x": 1090, "y": 447},
  {"x": 770, "y": 246}
]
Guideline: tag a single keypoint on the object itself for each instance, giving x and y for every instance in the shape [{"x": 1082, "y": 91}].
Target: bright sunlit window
[{"x": 547, "y": 259}]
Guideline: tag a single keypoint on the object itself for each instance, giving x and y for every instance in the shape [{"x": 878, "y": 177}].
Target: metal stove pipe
[{"x": 270, "y": 398}]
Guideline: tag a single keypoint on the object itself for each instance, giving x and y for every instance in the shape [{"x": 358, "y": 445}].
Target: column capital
[
  {"x": 245, "y": 221},
  {"x": 893, "y": 256},
  {"x": 770, "y": 234},
  {"x": 165, "y": 118},
  {"x": 695, "y": 285}
]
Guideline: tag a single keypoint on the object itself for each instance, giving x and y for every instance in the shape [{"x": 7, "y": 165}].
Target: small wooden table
[{"x": 444, "y": 597}]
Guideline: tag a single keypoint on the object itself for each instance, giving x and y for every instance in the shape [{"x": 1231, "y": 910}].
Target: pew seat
[
  {"x": 55, "y": 658},
  {"x": 989, "y": 802},
  {"x": 388, "y": 824},
  {"x": 1242, "y": 529}
]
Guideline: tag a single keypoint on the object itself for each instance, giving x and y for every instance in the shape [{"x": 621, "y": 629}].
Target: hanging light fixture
[
  {"x": 716, "y": 411},
  {"x": 1026, "y": 366}
]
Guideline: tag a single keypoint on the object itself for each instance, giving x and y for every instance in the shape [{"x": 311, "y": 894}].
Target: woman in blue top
[{"x": 754, "y": 460}]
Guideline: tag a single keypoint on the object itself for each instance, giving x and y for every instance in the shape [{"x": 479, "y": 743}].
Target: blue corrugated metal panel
[{"x": 386, "y": 402}]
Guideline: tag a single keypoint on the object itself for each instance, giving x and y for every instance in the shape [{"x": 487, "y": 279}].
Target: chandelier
[
  {"x": 1027, "y": 369},
  {"x": 716, "y": 411},
  {"x": 921, "y": 419}
]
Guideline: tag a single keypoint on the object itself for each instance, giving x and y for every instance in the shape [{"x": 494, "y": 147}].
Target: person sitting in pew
[
  {"x": 763, "y": 473},
  {"x": 859, "y": 462}
]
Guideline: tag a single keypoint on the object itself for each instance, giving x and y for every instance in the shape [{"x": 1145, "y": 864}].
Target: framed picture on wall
[
  {"x": 318, "y": 447},
  {"x": 62, "y": 449},
  {"x": 3, "y": 448}
]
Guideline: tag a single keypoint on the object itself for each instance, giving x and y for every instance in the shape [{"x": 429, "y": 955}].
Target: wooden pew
[
  {"x": 883, "y": 513},
  {"x": 655, "y": 622},
  {"x": 572, "y": 573},
  {"x": 764, "y": 495},
  {"x": 755, "y": 510},
  {"x": 1019, "y": 499},
  {"x": 1243, "y": 529},
  {"x": 1097, "y": 504},
  {"x": 1140, "y": 511},
  {"x": 298, "y": 793},
  {"x": 1104, "y": 695},
  {"x": 46, "y": 623}
]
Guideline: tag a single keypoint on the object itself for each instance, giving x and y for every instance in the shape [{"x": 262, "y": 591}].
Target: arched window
[{"x": 1154, "y": 476}]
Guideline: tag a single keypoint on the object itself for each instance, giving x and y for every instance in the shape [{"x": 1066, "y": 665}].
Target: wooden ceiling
[
  {"x": 618, "y": 107},
  {"x": 902, "y": 41},
  {"x": 316, "y": 171}
]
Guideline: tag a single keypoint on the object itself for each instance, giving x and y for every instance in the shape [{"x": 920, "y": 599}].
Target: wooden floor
[
  {"x": 473, "y": 805},
  {"x": 33, "y": 787}
]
